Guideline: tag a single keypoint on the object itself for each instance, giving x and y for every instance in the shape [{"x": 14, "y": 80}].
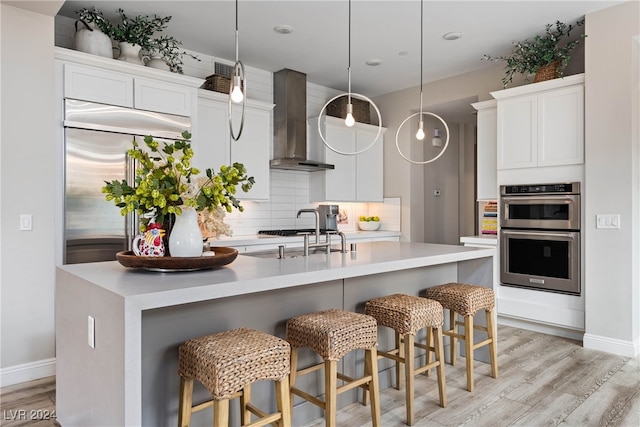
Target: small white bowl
[{"x": 368, "y": 225}]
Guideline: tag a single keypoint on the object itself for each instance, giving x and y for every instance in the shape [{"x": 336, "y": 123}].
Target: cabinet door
[
  {"x": 369, "y": 167},
  {"x": 211, "y": 136},
  {"x": 163, "y": 97},
  {"x": 487, "y": 185},
  {"x": 340, "y": 183},
  {"x": 561, "y": 127},
  {"x": 92, "y": 84},
  {"x": 252, "y": 149},
  {"x": 517, "y": 132}
]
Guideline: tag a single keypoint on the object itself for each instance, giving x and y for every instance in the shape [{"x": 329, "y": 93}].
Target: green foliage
[
  {"x": 171, "y": 52},
  {"x": 530, "y": 55},
  {"x": 166, "y": 182},
  {"x": 138, "y": 30},
  {"x": 94, "y": 15}
]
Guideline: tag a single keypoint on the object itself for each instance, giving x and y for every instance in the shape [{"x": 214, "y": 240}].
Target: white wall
[
  {"x": 27, "y": 144},
  {"x": 611, "y": 179}
]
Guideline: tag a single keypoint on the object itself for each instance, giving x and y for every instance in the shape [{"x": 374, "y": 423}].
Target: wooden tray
[{"x": 223, "y": 256}]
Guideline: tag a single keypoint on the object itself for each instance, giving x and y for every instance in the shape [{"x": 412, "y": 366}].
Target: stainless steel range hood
[{"x": 290, "y": 123}]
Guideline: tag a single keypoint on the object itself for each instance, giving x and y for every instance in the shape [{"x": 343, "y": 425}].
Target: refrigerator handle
[{"x": 131, "y": 222}]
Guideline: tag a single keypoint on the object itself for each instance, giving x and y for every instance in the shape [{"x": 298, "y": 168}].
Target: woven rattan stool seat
[
  {"x": 227, "y": 361},
  {"x": 406, "y": 314},
  {"x": 332, "y": 333},
  {"x": 463, "y": 298}
]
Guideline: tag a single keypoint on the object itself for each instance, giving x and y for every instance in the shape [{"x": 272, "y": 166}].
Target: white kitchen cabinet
[
  {"x": 486, "y": 147},
  {"x": 102, "y": 80},
  {"x": 212, "y": 139},
  {"x": 541, "y": 124},
  {"x": 356, "y": 178}
]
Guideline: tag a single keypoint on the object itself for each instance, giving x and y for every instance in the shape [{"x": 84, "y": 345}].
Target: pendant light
[
  {"x": 238, "y": 89},
  {"x": 349, "y": 119},
  {"x": 420, "y": 135}
]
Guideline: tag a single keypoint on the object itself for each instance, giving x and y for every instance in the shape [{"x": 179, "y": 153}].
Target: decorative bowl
[
  {"x": 368, "y": 225},
  {"x": 223, "y": 256}
]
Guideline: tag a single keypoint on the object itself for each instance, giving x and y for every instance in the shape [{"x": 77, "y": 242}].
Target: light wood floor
[{"x": 544, "y": 381}]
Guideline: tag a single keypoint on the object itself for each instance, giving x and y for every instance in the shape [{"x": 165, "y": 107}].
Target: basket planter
[
  {"x": 218, "y": 83},
  {"x": 361, "y": 109},
  {"x": 547, "y": 72}
]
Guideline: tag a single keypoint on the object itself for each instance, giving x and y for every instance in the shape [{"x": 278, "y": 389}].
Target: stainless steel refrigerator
[{"x": 97, "y": 138}]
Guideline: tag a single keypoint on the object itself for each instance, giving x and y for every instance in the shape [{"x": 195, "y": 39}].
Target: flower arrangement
[
  {"x": 165, "y": 183},
  {"x": 89, "y": 16},
  {"x": 138, "y": 30},
  {"x": 531, "y": 55},
  {"x": 169, "y": 49}
]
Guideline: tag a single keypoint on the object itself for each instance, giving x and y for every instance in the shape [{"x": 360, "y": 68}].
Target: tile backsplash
[{"x": 290, "y": 193}]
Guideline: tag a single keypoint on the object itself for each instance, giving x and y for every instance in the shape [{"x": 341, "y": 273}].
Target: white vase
[
  {"x": 158, "y": 63},
  {"x": 90, "y": 39},
  {"x": 185, "y": 239},
  {"x": 130, "y": 53}
]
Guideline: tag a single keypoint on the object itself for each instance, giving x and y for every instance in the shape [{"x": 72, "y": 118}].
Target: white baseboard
[
  {"x": 27, "y": 372},
  {"x": 555, "y": 330},
  {"x": 612, "y": 345}
]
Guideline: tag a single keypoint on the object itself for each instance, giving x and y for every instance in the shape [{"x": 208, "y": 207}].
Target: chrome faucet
[{"x": 316, "y": 244}]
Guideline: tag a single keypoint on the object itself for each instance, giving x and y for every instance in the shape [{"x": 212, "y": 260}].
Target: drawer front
[{"x": 92, "y": 84}]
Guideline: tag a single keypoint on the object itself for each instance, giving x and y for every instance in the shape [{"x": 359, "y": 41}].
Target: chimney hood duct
[{"x": 290, "y": 123}]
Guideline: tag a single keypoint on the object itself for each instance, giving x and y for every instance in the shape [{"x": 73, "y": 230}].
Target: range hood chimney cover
[{"x": 290, "y": 123}]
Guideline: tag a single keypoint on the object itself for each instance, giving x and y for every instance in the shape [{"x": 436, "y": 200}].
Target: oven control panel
[{"x": 560, "y": 188}]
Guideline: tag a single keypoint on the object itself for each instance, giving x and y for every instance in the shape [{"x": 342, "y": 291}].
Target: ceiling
[{"x": 388, "y": 31}]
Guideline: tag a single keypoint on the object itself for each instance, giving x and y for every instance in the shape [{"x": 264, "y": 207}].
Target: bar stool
[
  {"x": 406, "y": 315},
  {"x": 227, "y": 363},
  {"x": 466, "y": 300},
  {"x": 332, "y": 334}
]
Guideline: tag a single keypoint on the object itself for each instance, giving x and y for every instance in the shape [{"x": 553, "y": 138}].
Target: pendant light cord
[
  {"x": 421, "y": 51},
  {"x": 349, "y": 54},
  {"x": 236, "y": 30}
]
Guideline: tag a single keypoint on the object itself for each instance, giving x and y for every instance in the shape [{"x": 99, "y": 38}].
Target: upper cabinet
[
  {"x": 215, "y": 147},
  {"x": 356, "y": 178},
  {"x": 541, "y": 124},
  {"x": 487, "y": 140},
  {"x": 103, "y": 80}
]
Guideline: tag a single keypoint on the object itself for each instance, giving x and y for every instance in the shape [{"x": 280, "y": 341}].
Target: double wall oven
[{"x": 540, "y": 237}]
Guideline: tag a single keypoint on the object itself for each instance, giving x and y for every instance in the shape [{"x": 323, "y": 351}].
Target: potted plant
[
  {"x": 135, "y": 34},
  {"x": 546, "y": 55},
  {"x": 92, "y": 36},
  {"x": 167, "y": 186},
  {"x": 166, "y": 52}
]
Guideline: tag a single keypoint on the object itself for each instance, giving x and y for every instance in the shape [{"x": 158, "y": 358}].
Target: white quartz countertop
[
  {"x": 485, "y": 239},
  {"x": 148, "y": 290}
]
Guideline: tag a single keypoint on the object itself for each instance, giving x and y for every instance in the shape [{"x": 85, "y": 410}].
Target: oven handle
[
  {"x": 569, "y": 234},
  {"x": 527, "y": 198}
]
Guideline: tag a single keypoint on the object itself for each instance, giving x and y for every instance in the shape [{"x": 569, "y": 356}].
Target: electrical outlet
[
  {"x": 25, "y": 222},
  {"x": 608, "y": 221},
  {"x": 91, "y": 329}
]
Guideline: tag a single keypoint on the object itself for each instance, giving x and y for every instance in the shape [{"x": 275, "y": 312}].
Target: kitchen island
[{"x": 129, "y": 377}]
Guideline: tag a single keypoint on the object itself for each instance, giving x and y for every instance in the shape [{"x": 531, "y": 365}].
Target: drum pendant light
[
  {"x": 420, "y": 135},
  {"x": 349, "y": 120},
  {"x": 238, "y": 89}
]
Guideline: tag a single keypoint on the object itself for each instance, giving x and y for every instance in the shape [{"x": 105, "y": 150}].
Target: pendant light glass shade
[
  {"x": 238, "y": 89},
  {"x": 420, "y": 135},
  {"x": 349, "y": 119}
]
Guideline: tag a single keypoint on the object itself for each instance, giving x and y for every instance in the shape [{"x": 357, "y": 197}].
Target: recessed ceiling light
[
  {"x": 403, "y": 53},
  {"x": 374, "y": 62},
  {"x": 283, "y": 29},
  {"x": 452, "y": 36}
]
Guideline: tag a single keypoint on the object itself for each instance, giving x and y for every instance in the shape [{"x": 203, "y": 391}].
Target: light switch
[
  {"x": 25, "y": 222},
  {"x": 610, "y": 221}
]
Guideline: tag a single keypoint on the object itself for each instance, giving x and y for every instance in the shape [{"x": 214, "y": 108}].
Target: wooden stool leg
[
  {"x": 292, "y": 375},
  {"x": 221, "y": 413},
  {"x": 365, "y": 391},
  {"x": 399, "y": 364},
  {"x": 439, "y": 352},
  {"x": 468, "y": 340},
  {"x": 374, "y": 387},
  {"x": 245, "y": 399},
  {"x": 452, "y": 339},
  {"x": 330, "y": 388},
  {"x": 428, "y": 351},
  {"x": 493, "y": 345},
  {"x": 282, "y": 401},
  {"x": 186, "y": 401},
  {"x": 409, "y": 361}
]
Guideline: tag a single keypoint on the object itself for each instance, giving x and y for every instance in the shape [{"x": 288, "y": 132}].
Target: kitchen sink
[{"x": 298, "y": 252}]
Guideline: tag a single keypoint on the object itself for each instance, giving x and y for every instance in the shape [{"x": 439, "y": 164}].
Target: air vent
[{"x": 223, "y": 69}]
